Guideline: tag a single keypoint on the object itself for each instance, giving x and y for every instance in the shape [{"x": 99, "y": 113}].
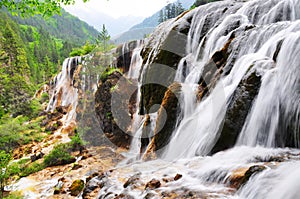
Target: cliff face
[{"x": 221, "y": 54}]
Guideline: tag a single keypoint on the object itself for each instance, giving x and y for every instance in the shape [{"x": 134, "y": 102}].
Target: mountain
[
  {"x": 135, "y": 34},
  {"x": 31, "y": 52},
  {"x": 138, "y": 31},
  {"x": 152, "y": 21},
  {"x": 65, "y": 27},
  {"x": 114, "y": 26}
]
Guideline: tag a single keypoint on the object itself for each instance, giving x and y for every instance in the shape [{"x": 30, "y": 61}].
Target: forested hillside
[{"x": 32, "y": 51}]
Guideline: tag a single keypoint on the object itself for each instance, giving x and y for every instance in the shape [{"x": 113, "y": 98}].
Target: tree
[
  {"x": 179, "y": 8},
  {"x": 103, "y": 38},
  {"x": 4, "y": 173},
  {"x": 161, "y": 17},
  {"x": 33, "y": 7},
  {"x": 173, "y": 11}
]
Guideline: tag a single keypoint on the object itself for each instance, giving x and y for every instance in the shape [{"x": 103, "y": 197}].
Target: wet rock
[
  {"x": 237, "y": 111},
  {"x": 124, "y": 196},
  {"x": 133, "y": 180},
  {"x": 76, "y": 166},
  {"x": 58, "y": 188},
  {"x": 153, "y": 184},
  {"x": 62, "y": 109},
  {"x": 177, "y": 177},
  {"x": 270, "y": 159},
  {"x": 124, "y": 54},
  {"x": 166, "y": 120},
  {"x": 241, "y": 176},
  {"x": 91, "y": 186},
  {"x": 149, "y": 196},
  {"x": 76, "y": 187},
  {"x": 111, "y": 106},
  {"x": 38, "y": 156},
  {"x": 159, "y": 74}
]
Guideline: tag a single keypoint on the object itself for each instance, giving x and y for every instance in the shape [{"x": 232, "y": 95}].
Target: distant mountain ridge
[
  {"x": 114, "y": 26},
  {"x": 152, "y": 21},
  {"x": 66, "y": 27},
  {"x": 138, "y": 31}
]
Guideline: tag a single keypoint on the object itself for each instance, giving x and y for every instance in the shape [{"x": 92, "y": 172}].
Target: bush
[
  {"x": 44, "y": 98},
  {"x": 76, "y": 143},
  {"x": 18, "y": 131},
  {"x": 60, "y": 155},
  {"x": 31, "y": 168},
  {"x": 14, "y": 195},
  {"x": 84, "y": 50},
  {"x": 4, "y": 174},
  {"x": 108, "y": 72}
]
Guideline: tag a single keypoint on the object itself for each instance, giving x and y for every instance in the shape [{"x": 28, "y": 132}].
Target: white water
[
  {"x": 275, "y": 108},
  {"x": 211, "y": 175},
  {"x": 260, "y": 29},
  {"x": 136, "y": 61},
  {"x": 62, "y": 91},
  {"x": 201, "y": 123}
]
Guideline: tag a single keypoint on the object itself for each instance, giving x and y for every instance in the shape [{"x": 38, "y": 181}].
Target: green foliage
[
  {"x": 14, "y": 195},
  {"x": 34, "y": 7},
  {"x": 21, "y": 168},
  {"x": 108, "y": 72},
  {"x": 4, "y": 174},
  {"x": 103, "y": 39},
  {"x": 31, "y": 168},
  {"x": 18, "y": 131},
  {"x": 60, "y": 155},
  {"x": 76, "y": 143},
  {"x": 170, "y": 11},
  {"x": 44, "y": 98},
  {"x": 84, "y": 50}
]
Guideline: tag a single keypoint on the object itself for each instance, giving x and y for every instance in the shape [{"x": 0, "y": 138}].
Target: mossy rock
[{"x": 76, "y": 187}]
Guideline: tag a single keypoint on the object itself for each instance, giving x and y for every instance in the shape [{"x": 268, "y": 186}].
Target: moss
[
  {"x": 76, "y": 187},
  {"x": 108, "y": 72}
]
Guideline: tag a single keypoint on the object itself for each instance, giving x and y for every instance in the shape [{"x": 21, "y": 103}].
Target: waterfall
[
  {"x": 269, "y": 122},
  {"x": 136, "y": 61},
  {"x": 256, "y": 39},
  {"x": 62, "y": 90}
]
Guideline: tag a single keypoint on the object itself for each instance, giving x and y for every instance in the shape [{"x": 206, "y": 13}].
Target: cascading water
[
  {"x": 62, "y": 91},
  {"x": 259, "y": 41},
  {"x": 257, "y": 54}
]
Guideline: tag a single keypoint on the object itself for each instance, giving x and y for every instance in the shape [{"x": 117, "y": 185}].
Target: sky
[{"x": 118, "y": 8}]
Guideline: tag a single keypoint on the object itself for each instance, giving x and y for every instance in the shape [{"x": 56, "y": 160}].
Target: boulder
[
  {"x": 76, "y": 187},
  {"x": 153, "y": 184},
  {"x": 241, "y": 176},
  {"x": 111, "y": 106},
  {"x": 166, "y": 120}
]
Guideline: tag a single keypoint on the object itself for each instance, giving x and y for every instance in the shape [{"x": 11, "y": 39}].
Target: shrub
[
  {"x": 44, "y": 98},
  {"x": 76, "y": 143},
  {"x": 14, "y": 195},
  {"x": 108, "y": 72},
  {"x": 60, "y": 155},
  {"x": 4, "y": 174},
  {"x": 31, "y": 168}
]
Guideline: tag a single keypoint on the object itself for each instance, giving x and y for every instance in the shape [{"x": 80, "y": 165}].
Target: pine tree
[
  {"x": 168, "y": 11},
  {"x": 179, "y": 8},
  {"x": 161, "y": 17},
  {"x": 103, "y": 38},
  {"x": 173, "y": 12}
]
